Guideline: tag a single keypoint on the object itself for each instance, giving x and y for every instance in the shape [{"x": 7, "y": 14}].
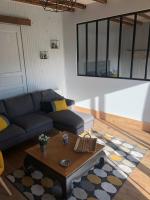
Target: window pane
[
  {"x": 91, "y": 49},
  {"x": 95, "y": 45},
  {"x": 148, "y": 67},
  {"x": 114, "y": 28},
  {"x": 146, "y": 19},
  {"x": 102, "y": 45},
  {"x": 148, "y": 64},
  {"x": 126, "y": 47},
  {"x": 140, "y": 50},
  {"x": 82, "y": 49}
]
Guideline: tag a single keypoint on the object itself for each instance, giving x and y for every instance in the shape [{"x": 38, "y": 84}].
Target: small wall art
[
  {"x": 54, "y": 44},
  {"x": 43, "y": 54}
]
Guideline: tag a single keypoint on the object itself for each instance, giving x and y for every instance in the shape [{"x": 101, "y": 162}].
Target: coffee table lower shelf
[{"x": 66, "y": 182}]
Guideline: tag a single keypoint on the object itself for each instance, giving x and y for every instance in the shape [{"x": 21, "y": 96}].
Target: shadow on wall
[
  {"x": 130, "y": 98},
  {"x": 89, "y": 88}
]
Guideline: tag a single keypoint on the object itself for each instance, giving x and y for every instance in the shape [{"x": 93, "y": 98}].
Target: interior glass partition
[{"x": 115, "y": 47}]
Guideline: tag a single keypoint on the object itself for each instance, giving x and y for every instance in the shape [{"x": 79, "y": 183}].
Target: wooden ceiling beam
[
  {"x": 74, "y": 5},
  {"x": 15, "y": 20},
  {"x": 101, "y": 1},
  {"x": 144, "y": 15},
  {"x": 49, "y": 5}
]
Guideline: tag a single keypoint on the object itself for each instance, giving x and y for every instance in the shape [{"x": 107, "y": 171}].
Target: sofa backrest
[
  {"x": 28, "y": 103},
  {"x": 45, "y": 95},
  {"x": 20, "y": 105},
  {"x": 37, "y": 98},
  {"x": 50, "y": 95},
  {"x": 2, "y": 108}
]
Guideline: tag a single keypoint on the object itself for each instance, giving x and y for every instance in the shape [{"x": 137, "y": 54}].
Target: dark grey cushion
[
  {"x": 20, "y": 105},
  {"x": 47, "y": 106},
  {"x": 70, "y": 102},
  {"x": 37, "y": 98},
  {"x": 67, "y": 120},
  {"x": 2, "y": 108},
  {"x": 50, "y": 95},
  {"x": 34, "y": 122},
  {"x": 11, "y": 133}
]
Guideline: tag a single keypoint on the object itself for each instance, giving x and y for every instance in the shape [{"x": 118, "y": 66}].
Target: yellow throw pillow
[
  {"x": 4, "y": 123},
  {"x": 60, "y": 105}
]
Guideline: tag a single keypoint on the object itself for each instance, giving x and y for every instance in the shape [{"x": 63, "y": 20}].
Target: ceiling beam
[
  {"x": 49, "y": 5},
  {"x": 101, "y": 1},
  {"x": 144, "y": 15},
  {"x": 15, "y": 20},
  {"x": 74, "y": 4}
]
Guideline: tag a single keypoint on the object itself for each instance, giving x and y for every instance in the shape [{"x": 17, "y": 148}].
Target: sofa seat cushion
[
  {"x": 67, "y": 120},
  {"x": 11, "y": 133},
  {"x": 34, "y": 122}
]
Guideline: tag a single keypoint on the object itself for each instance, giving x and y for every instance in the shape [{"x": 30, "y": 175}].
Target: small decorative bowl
[{"x": 65, "y": 163}]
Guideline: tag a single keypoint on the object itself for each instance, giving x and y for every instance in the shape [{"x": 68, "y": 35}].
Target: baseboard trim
[{"x": 116, "y": 120}]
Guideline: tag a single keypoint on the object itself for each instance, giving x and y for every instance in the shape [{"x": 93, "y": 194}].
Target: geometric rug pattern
[{"x": 121, "y": 158}]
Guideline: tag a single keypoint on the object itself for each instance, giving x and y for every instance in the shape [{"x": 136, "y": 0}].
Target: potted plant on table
[{"x": 43, "y": 140}]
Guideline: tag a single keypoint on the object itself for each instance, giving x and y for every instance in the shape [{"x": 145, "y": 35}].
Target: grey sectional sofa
[{"x": 29, "y": 120}]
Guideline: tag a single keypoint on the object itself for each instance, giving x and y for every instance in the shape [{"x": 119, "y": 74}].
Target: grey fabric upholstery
[
  {"x": 12, "y": 131},
  {"x": 47, "y": 106},
  {"x": 20, "y": 105},
  {"x": 28, "y": 120},
  {"x": 9, "y": 136},
  {"x": 67, "y": 120},
  {"x": 87, "y": 118},
  {"x": 37, "y": 98},
  {"x": 34, "y": 122},
  {"x": 2, "y": 108},
  {"x": 50, "y": 95}
]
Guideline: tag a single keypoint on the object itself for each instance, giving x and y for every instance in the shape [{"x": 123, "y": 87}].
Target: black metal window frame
[{"x": 108, "y": 19}]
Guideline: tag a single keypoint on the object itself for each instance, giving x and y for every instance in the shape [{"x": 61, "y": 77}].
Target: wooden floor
[{"x": 137, "y": 187}]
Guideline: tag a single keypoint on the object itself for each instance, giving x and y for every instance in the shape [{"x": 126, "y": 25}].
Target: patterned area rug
[{"x": 102, "y": 184}]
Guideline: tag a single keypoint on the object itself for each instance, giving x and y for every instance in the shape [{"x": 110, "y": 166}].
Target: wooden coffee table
[{"x": 56, "y": 151}]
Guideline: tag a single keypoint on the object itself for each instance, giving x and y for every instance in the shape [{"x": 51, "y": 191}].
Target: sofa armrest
[{"x": 70, "y": 102}]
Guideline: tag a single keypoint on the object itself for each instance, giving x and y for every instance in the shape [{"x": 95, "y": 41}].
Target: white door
[{"x": 12, "y": 71}]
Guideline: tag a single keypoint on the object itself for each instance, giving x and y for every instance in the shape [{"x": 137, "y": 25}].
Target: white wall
[
  {"x": 126, "y": 98},
  {"x": 41, "y": 74}
]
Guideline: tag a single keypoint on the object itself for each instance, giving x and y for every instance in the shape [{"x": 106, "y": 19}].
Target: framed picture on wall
[
  {"x": 43, "y": 54},
  {"x": 54, "y": 44}
]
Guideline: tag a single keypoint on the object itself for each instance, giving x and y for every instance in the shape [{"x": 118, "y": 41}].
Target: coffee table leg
[
  {"x": 28, "y": 164},
  {"x": 66, "y": 188},
  {"x": 102, "y": 160}
]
